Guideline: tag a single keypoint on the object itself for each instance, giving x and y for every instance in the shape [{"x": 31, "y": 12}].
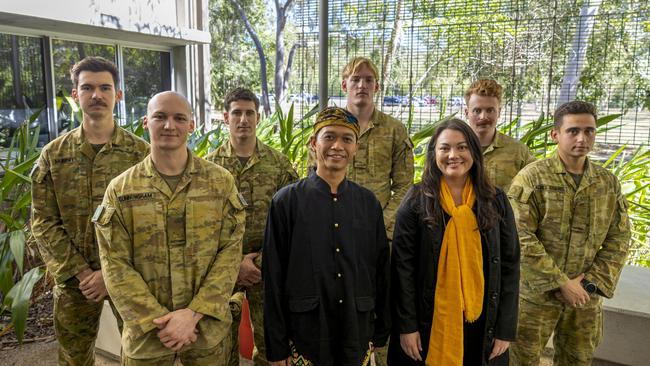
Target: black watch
[{"x": 589, "y": 286}]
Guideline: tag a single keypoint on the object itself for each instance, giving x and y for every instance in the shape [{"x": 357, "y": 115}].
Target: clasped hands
[
  {"x": 177, "y": 329},
  {"x": 572, "y": 293}
]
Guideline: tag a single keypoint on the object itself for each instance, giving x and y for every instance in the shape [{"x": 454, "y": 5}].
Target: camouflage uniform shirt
[
  {"x": 163, "y": 251},
  {"x": 566, "y": 230},
  {"x": 68, "y": 183},
  {"x": 384, "y": 164},
  {"x": 504, "y": 158},
  {"x": 266, "y": 171}
]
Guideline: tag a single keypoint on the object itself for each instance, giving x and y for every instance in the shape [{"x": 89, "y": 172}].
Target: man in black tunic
[{"x": 325, "y": 260}]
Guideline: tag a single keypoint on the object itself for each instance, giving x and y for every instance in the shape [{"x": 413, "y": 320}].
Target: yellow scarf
[{"x": 459, "y": 287}]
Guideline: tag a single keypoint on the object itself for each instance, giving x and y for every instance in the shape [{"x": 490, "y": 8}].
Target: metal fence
[{"x": 542, "y": 51}]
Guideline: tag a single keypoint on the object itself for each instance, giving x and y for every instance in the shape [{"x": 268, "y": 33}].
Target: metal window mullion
[
  {"x": 50, "y": 92},
  {"x": 121, "y": 105}
]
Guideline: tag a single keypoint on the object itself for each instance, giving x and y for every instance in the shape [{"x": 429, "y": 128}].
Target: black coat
[
  {"x": 414, "y": 266},
  {"x": 326, "y": 273}
]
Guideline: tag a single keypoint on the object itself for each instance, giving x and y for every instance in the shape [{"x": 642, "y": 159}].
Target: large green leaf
[
  {"x": 6, "y": 269},
  {"x": 19, "y": 298},
  {"x": 17, "y": 245}
]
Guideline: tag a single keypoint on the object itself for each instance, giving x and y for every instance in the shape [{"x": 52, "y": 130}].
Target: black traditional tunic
[{"x": 326, "y": 273}]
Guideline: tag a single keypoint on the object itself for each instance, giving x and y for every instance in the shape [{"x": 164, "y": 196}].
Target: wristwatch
[{"x": 589, "y": 286}]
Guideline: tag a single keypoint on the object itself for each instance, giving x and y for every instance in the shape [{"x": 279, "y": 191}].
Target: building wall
[{"x": 175, "y": 30}]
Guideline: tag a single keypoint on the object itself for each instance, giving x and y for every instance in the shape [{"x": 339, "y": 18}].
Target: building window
[
  {"x": 64, "y": 55},
  {"x": 22, "y": 87},
  {"x": 146, "y": 73}
]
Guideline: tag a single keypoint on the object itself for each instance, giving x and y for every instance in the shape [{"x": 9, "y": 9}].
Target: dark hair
[
  {"x": 241, "y": 94},
  {"x": 431, "y": 177},
  {"x": 573, "y": 107},
  {"x": 94, "y": 64}
]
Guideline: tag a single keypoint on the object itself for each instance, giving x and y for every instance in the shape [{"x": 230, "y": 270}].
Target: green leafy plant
[{"x": 16, "y": 284}]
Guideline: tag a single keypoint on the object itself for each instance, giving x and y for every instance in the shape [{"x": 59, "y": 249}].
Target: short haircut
[
  {"x": 355, "y": 64},
  {"x": 573, "y": 107},
  {"x": 484, "y": 88},
  {"x": 93, "y": 64},
  {"x": 241, "y": 94}
]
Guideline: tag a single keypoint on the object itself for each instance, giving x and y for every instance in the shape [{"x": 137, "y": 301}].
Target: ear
[
  {"x": 312, "y": 142},
  {"x": 344, "y": 85},
  {"x": 74, "y": 94},
  {"x": 377, "y": 86},
  {"x": 225, "y": 118},
  {"x": 145, "y": 122},
  {"x": 118, "y": 95},
  {"x": 466, "y": 111},
  {"x": 191, "y": 129},
  {"x": 554, "y": 134}
]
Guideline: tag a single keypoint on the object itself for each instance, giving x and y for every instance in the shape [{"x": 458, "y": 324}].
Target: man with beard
[{"x": 504, "y": 156}]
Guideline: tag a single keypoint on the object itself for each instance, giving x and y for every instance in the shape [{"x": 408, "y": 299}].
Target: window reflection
[
  {"x": 146, "y": 73},
  {"x": 64, "y": 55},
  {"x": 22, "y": 90}
]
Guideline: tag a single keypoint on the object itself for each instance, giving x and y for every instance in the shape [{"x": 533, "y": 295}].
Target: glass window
[
  {"x": 64, "y": 55},
  {"x": 146, "y": 73},
  {"x": 22, "y": 90}
]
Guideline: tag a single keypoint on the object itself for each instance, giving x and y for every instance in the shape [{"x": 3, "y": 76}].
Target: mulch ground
[{"x": 40, "y": 323}]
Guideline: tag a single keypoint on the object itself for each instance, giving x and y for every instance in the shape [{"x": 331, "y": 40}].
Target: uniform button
[
  {"x": 495, "y": 260},
  {"x": 338, "y": 250},
  {"x": 491, "y": 331},
  {"x": 335, "y": 199},
  {"x": 494, "y": 295},
  {"x": 338, "y": 275},
  {"x": 336, "y": 224},
  {"x": 341, "y": 301}
]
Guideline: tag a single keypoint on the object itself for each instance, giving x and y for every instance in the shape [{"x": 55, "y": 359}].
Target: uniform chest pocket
[
  {"x": 552, "y": 202},
  {"x": 203, "y": 225}
]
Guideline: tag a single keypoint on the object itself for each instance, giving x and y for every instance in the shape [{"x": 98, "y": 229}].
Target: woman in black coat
[{"x": 454, "y": 156}]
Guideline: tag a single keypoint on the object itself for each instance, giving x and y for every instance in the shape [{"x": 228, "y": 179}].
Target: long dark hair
[{"x": 484, "y": 192}]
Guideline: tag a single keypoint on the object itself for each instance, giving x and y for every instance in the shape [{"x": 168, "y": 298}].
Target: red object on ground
[{"x": 246, "y": 343}]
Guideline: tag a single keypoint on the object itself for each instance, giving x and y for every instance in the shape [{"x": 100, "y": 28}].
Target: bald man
[{"x": 170, "y": 232}]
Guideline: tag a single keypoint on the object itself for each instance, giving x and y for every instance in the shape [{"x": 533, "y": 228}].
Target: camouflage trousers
[
  {"x": 577, "y": 332},
  {"x": 255, "y": 297},
  {"x": 76, "y": 323},
  {"x": 217, "y": 355}
]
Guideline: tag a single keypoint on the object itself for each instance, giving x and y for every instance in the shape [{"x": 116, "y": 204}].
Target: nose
[
  {"x": 452, "y": 153},
  {"x": 168, "y": 124},
  {"x": 338, "y": 144}
]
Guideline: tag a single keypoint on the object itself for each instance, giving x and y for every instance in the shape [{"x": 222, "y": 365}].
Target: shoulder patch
[
  {"x": 242, "y": 199},
  {"x": 102, "y": 215}
]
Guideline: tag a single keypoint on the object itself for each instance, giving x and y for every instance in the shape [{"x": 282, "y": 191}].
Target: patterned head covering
[{"x": 336, "y": 116}]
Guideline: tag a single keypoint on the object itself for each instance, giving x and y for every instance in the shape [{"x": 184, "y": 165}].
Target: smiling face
[
  {"x": 575, "y": 136},
  {"x": 96, "y": 94},
  {"x": 335, "y": 147},
  {"x": 169, "y": 121},
  {"x": 360, "y": 86},
  {"x": 453, "y": 155},
  {"x": 482, "y": 113},
  {"x": 242, "y": 119}
]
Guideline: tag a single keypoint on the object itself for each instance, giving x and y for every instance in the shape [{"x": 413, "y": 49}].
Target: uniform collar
[
  {"x": 193, "y": 167},
  {"x": 118, "y": 138},
  {"x": 227, "y": 151},
  {"x": 496, "y": 143}
]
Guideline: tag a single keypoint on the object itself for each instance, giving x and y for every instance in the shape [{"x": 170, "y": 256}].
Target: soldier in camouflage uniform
[
  {"x": 384, "y": 161},
  {"x": 68, "y": 183},
  {"x": 169, "y": 232},
  {"x": 504, "y": 156},
  {"x": 574, "y": 233},
  {"x": 259, "y": 172}
]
